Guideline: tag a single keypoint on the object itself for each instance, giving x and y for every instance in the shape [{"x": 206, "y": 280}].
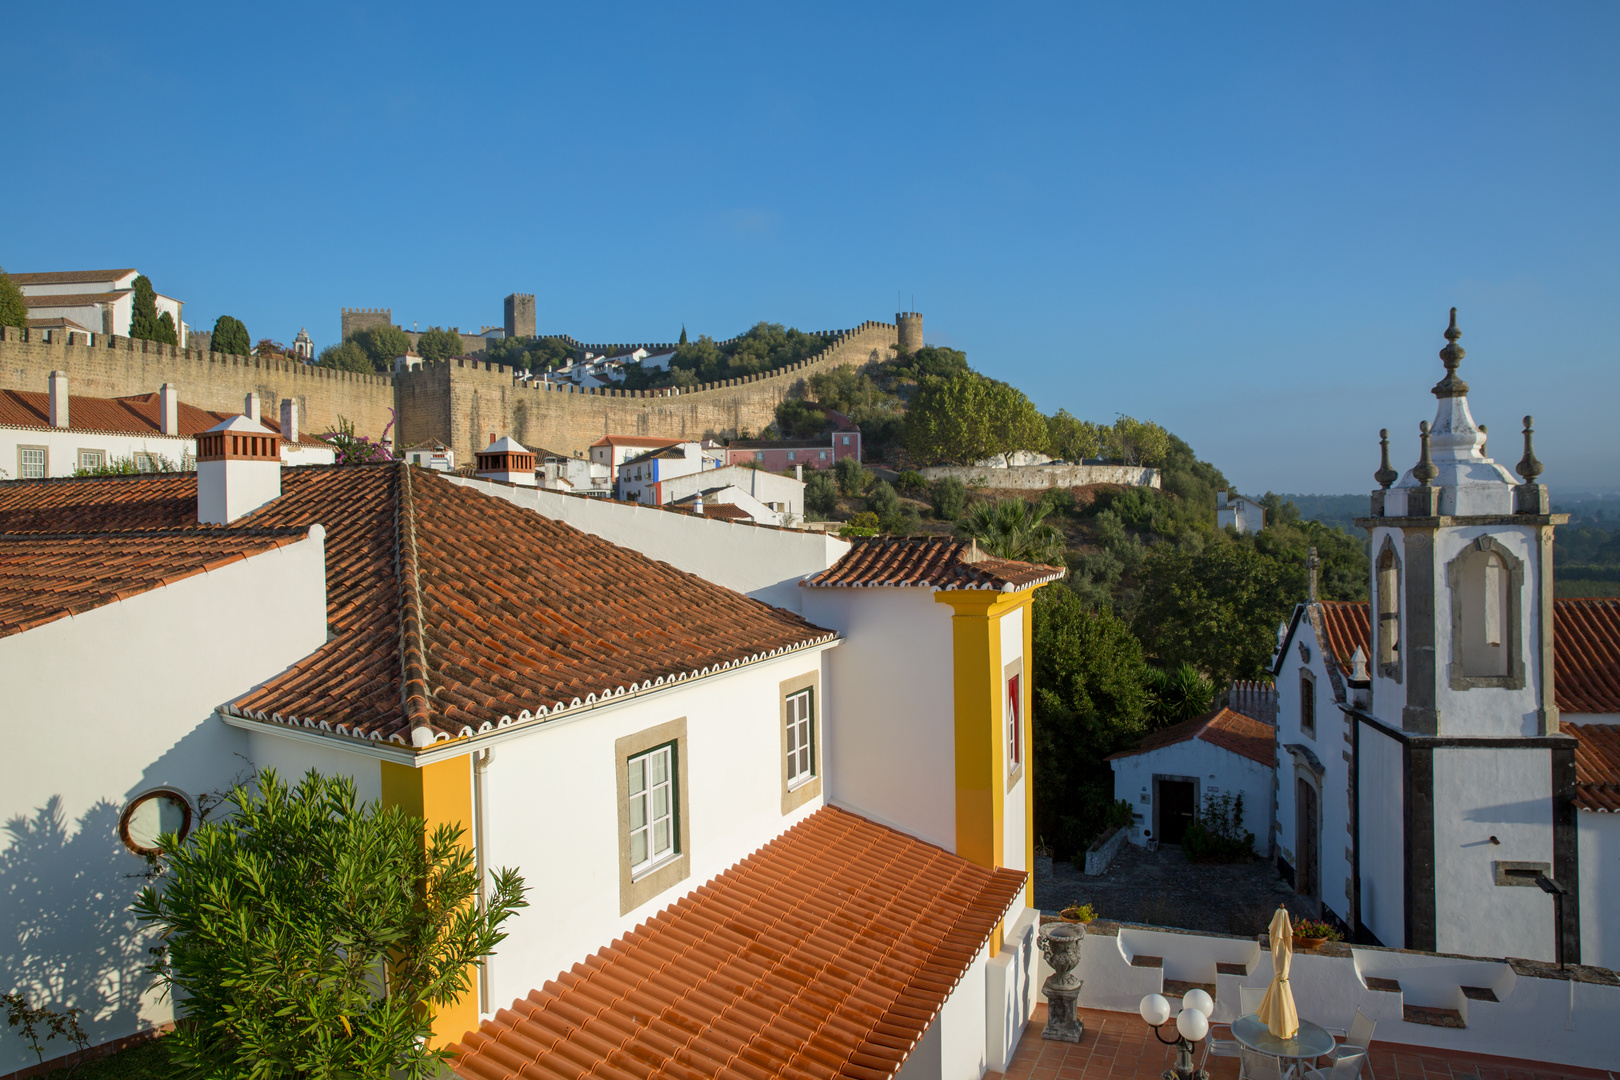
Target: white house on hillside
[
  {"x": 91, "y": 301},
  {"x": 1242, "y": 513}
]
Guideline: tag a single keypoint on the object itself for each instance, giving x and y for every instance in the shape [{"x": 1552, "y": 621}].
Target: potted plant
[
  {"x": 1085, "y": 914},
  {"x": 1310, "y": 934}
]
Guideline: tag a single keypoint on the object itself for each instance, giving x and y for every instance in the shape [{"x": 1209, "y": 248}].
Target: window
[
  {"x": 846, "y": 440},
  {"x": 92, "y": 459},
  {"x": 1307, "y": 704},
  {"x": 31, "y": 463},
  {"x": 791, "y": 454},
  {"x": 151, "y": 815},
  {"x": 1015, "y": 725},
  {"x": 821, "y": 455},
  {"x": 654, "y": 834},
  {"x": 652, "y": 808},
  {"x": 1486, "y": 583},
  {"x": 145, "y": 462},
  {"x": 759, "y": 455},
  {"x": 801, "y": 743},
  {"x": 1389, "y": 612}
]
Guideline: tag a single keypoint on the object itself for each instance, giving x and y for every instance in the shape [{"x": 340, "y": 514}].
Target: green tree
[
  {"x": 1216, "y": 609},
  {"x": 143, "y": 321},
  {"x": 797, "y": 419},
  {"x": 1090, "y": 700},
  {"x": 934, "y": 361},
  {"x": 1071, "y": 439},
  {"x": 1014, "y": 529},
  {"x": 948, "y": 497},
  {"x": 969, "y": 418},
  {"x": 437, "y": 344},
  {"x": 13, "y": 309},
  {"x": 1177, "y": 694},
  {"x": 382, "y": 344},
  {"x": 230, "y": 336},
  {"x": 893, "y": 515},
  {"x": 820, "y": 496},
  {"x": 346, "y": 357},
  {"x": 1137, "y": 442},
  {"x": 683, "y": 334},
  {"x": 852, "y": 477},
  {"x": 279, "y": 921},
  {"x": 166, "y": 332}
]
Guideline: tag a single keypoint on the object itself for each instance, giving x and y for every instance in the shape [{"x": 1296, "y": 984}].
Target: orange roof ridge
[
  {"x": 1597, "y": 766},
  {"x": 1224, "y": 727},
  {"x": 928, "y": 562},
  {"x": 415, "y": 699}
]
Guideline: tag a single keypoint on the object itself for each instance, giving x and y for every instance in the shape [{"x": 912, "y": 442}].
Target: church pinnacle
[{"x": 1452, "y": 356}]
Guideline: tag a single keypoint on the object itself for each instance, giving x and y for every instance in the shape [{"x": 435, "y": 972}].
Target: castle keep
[{"x": 461, "y": 402}]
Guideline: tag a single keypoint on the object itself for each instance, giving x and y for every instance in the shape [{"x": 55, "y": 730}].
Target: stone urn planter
[{"x": 1060, "y": 944}]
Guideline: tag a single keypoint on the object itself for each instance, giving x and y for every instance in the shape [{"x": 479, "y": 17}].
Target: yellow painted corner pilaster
[
  {"x": 1029, "y": 753},
  {"x": 439, "y": 794}
]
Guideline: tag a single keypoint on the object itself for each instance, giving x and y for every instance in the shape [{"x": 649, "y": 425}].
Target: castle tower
[
  {"x": 520, "y": 315},
  {"x": 911, "y": 336},
  {"x": 356, "y": 319},
  {"x": 1460, "y": 768}
]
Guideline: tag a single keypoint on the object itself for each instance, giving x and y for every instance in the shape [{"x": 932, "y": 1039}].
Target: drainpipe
[{"x": 481, "y": 760}]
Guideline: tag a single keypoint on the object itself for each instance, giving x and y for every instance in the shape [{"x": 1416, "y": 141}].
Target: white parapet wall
[
  {"x": 1039, "y": 477},
  {"x": 1539, "y": 1013},
  {"x": 760, "y": 561}
]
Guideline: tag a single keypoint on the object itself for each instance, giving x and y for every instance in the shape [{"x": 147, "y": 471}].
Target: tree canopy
[
  {"x": 279, "y": 921},
  {"x": 346, "y": 357},
  {"x": 436, "y": 344},
  {"x": 13, "y": 311},
  {"x": 530, "y": 354},
  {"x": 1014, "y": 529},
  {"x": 230, "y": 336},
  {"x": 382, "y": 344},
  {"x": 144, "y": 323},
  {"x": 965, "y": 419}
]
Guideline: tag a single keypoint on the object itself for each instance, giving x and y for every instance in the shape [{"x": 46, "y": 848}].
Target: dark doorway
[
  {"x": 1307, "y": 828},
  {"x": 1175, "y": 806}
]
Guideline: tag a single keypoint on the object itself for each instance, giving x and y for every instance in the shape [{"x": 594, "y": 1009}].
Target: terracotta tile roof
[
  {"x": 667, "y": 451},
  {"x": 44, "y": 577},
  {"x": 50, "y": 300},
  {"x": 1597, "y": 766},
  {"x": 927, "y": 563},
  {"x": 632, "y": 440},
  {"x": 137, "y": 414},
  {"x": 1223, "y": 728},
  {"x": 1586, "y": 649},
  {"x": 1586, "y": 655},
  {"x": 827, "y": 953},
  {"x": 452, "y": 611},
  {"x": 57, "y": 323},
  {"x": 70, "y": 277}
]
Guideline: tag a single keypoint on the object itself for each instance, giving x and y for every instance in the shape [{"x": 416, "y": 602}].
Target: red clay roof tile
[
  {"x": 1224, "y": 728},
  {"x": 1597, "y": 766},
  {"x": 450, "y": 610},
  {"x": 137, "y": 414},
  {"x": 749, "y": 989},
  {"x": 928, "y": 563}
]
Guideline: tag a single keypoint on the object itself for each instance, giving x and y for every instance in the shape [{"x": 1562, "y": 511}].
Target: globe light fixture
[{"x": 1192, "y": 1024}]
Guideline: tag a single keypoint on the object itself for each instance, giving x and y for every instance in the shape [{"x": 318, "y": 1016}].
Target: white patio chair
[
  {"x": 1249, "y": 999},
  {"x": 1346, "y": 1066},
  {"x": 1258, "y": 1066},
  {"x": 1357, "y": 1041}
]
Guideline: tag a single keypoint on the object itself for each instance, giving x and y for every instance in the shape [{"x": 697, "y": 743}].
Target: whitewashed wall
[
  {"x": 766, "y": 564},
  {"x": 1383, "y": 845},
  {"x": 551, "y": 810},
  {"x": 1014, "y": 826},
  {"x": 101, "y": 707},
  {"x": 1218, "y": 771},
  {"x": 63, "y": 446},
  {"x": 953, "y": 1047},
  {"x": 891, "y": 739},
  {"x": 1331, "y": 745},
  {"x": 1599, "y": 854}
]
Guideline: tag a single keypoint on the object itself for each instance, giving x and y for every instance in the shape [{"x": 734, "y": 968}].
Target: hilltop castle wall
[
  {"x": 101, "y": 365},
  {"x": 464, "y": 402}
]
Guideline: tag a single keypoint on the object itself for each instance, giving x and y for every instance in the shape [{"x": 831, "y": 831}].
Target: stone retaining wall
[{"x": 1039, "y": 477}]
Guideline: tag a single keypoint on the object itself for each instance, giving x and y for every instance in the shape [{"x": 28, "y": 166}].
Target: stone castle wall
[
  {"x": 112, "y": 366},
  {"x": 464, "y": 402}
]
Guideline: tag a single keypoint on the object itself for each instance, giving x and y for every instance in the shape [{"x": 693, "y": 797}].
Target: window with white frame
[
  {"x": 801, "y": 757},
  {"x": 145, "y": 462},
  {"x": 31, "y": 463},
  {"x": 652, "y": 808},
  {"x": 1015, "y": 724},
  {"x": 92, "y": 459}
]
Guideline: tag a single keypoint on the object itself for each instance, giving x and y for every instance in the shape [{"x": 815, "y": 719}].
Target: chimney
[
  {"x": 238, "y": 470},
  {"x": 250, "y": 408},
  {"x": 798, "y": 473},
  {"x": 697, "y": 504},
  {"x": 508, "y": 461},
  {"x": 1222, "y": 502},
  {"x": 169, "y": 409},
  {"x": 289, "y": 419},
  {"x": 59, "y": 399}
]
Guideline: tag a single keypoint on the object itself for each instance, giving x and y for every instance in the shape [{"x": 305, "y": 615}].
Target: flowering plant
[
  {"x": 1310, "y": 928},
  {"x": 355, "y": 449},
  {"x": 1083, "y": 913}
]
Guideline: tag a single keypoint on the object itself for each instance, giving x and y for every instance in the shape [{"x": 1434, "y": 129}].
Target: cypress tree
[
  {"x": 230, "y": 336},
  {"x": 683, "y": 334},
  {"x": 13, "y": 312},
  {"x": 143, "y": 323}
]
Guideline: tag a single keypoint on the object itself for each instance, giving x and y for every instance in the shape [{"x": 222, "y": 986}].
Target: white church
[{"x": 1448, "y": 768}]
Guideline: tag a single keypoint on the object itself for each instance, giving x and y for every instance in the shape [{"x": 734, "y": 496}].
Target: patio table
[{"x": 1311, "y": 1041}]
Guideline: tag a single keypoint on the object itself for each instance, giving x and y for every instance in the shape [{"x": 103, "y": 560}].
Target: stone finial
[
  {"x": 1528, "y": 466},
  {"x": 1452, "y": 355},
  {"x": 1312, "y": 564},
  {"x": 1425, "y": 471},
  {"x": 1358, "y": 666},
  {"x": 1385, "y": 474}
]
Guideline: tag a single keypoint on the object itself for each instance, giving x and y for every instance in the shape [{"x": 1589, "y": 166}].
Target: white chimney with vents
[
  {"x": 169, "y": 409},
  {"x": 250, "y": 408},
  {"x": 507, "y": 460},
  {"x": 59, "y": 399},
  {"x": 289, "y": 419},
  {"x": 238, "y": 470}
]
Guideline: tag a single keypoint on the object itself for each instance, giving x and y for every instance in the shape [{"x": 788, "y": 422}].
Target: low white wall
[
  {"x": 1381, "y": 804},
  {"x": 1538, "y": 1016},
  {"x": 62, "y": 448},
  {"x": 766, "y": 564},
  {"x": 1026, "y": 477},
  {"x": 1100, "y": 858},
  {"x": 1599, "y": 840},
  {"x": 103, "y": 706},
  {"x": 953, "y": 1047},
  {"x": 1010, "y": 993}
]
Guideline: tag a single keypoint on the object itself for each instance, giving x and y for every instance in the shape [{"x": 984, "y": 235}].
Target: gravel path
[{"x": 1163, "y": 889}]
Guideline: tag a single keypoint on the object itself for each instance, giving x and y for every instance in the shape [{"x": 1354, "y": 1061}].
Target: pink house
[{"x": 780, "y": 455}]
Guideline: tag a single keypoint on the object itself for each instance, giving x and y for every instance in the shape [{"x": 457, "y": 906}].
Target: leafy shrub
[
  {"x": 1059, "y": 499},
  {"x": 820, "y": 496},
  {"x": 1218, "y": 834},
  {"x": 864, "y": 523},
  {"x": 1310, "y": 928},
  {"x": 910, "y": 483},
  {"x": 948, "y": 496},
  {"x": 852, "y": 477},
  {"x": 1085, "y": 913},
  {"x": 1121, "y": 815}
]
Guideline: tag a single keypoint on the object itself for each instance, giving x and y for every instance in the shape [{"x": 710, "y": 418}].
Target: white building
[
  {"x": 641, "y": 478},
  {"x": 1169, "y": 777},
  {"x": 303, "y": 346},
  {"x": 56, "y": 433},
  {"x": 94, "y": 301},
  {"x": 729, "y": 503},
  {"x": 432, "y": 454},
  {"x": 783, "y": 495},
  {"x": 1244, "y": 514},
  {"x": 1460, "y": 730}
]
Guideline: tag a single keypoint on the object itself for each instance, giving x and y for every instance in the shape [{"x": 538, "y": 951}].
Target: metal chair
[
  {"x": 1346, "y": 1066},
  {"x": 1258, "y": 1066},
  {"x": 1249, "y": 999},
  {"x": 1357, "y": 1041}
]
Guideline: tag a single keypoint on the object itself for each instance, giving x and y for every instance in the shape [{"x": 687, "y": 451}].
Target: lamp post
[
  {"x": 1192, "y": 1024},
  {"x": 1551, "y": 887}
]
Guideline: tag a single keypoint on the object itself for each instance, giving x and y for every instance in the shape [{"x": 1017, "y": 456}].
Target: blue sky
[{"x": 1243, "y": 221}]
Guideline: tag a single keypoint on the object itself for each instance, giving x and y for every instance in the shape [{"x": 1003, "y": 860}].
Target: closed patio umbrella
[{"x": 1277, "y": 1007}]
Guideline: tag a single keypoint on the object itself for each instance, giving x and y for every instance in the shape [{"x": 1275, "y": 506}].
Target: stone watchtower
[
  {"x": 520, "y": 315},
  {"x": 357, "y": 319},
  {"x": 911, "y": 338}
]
